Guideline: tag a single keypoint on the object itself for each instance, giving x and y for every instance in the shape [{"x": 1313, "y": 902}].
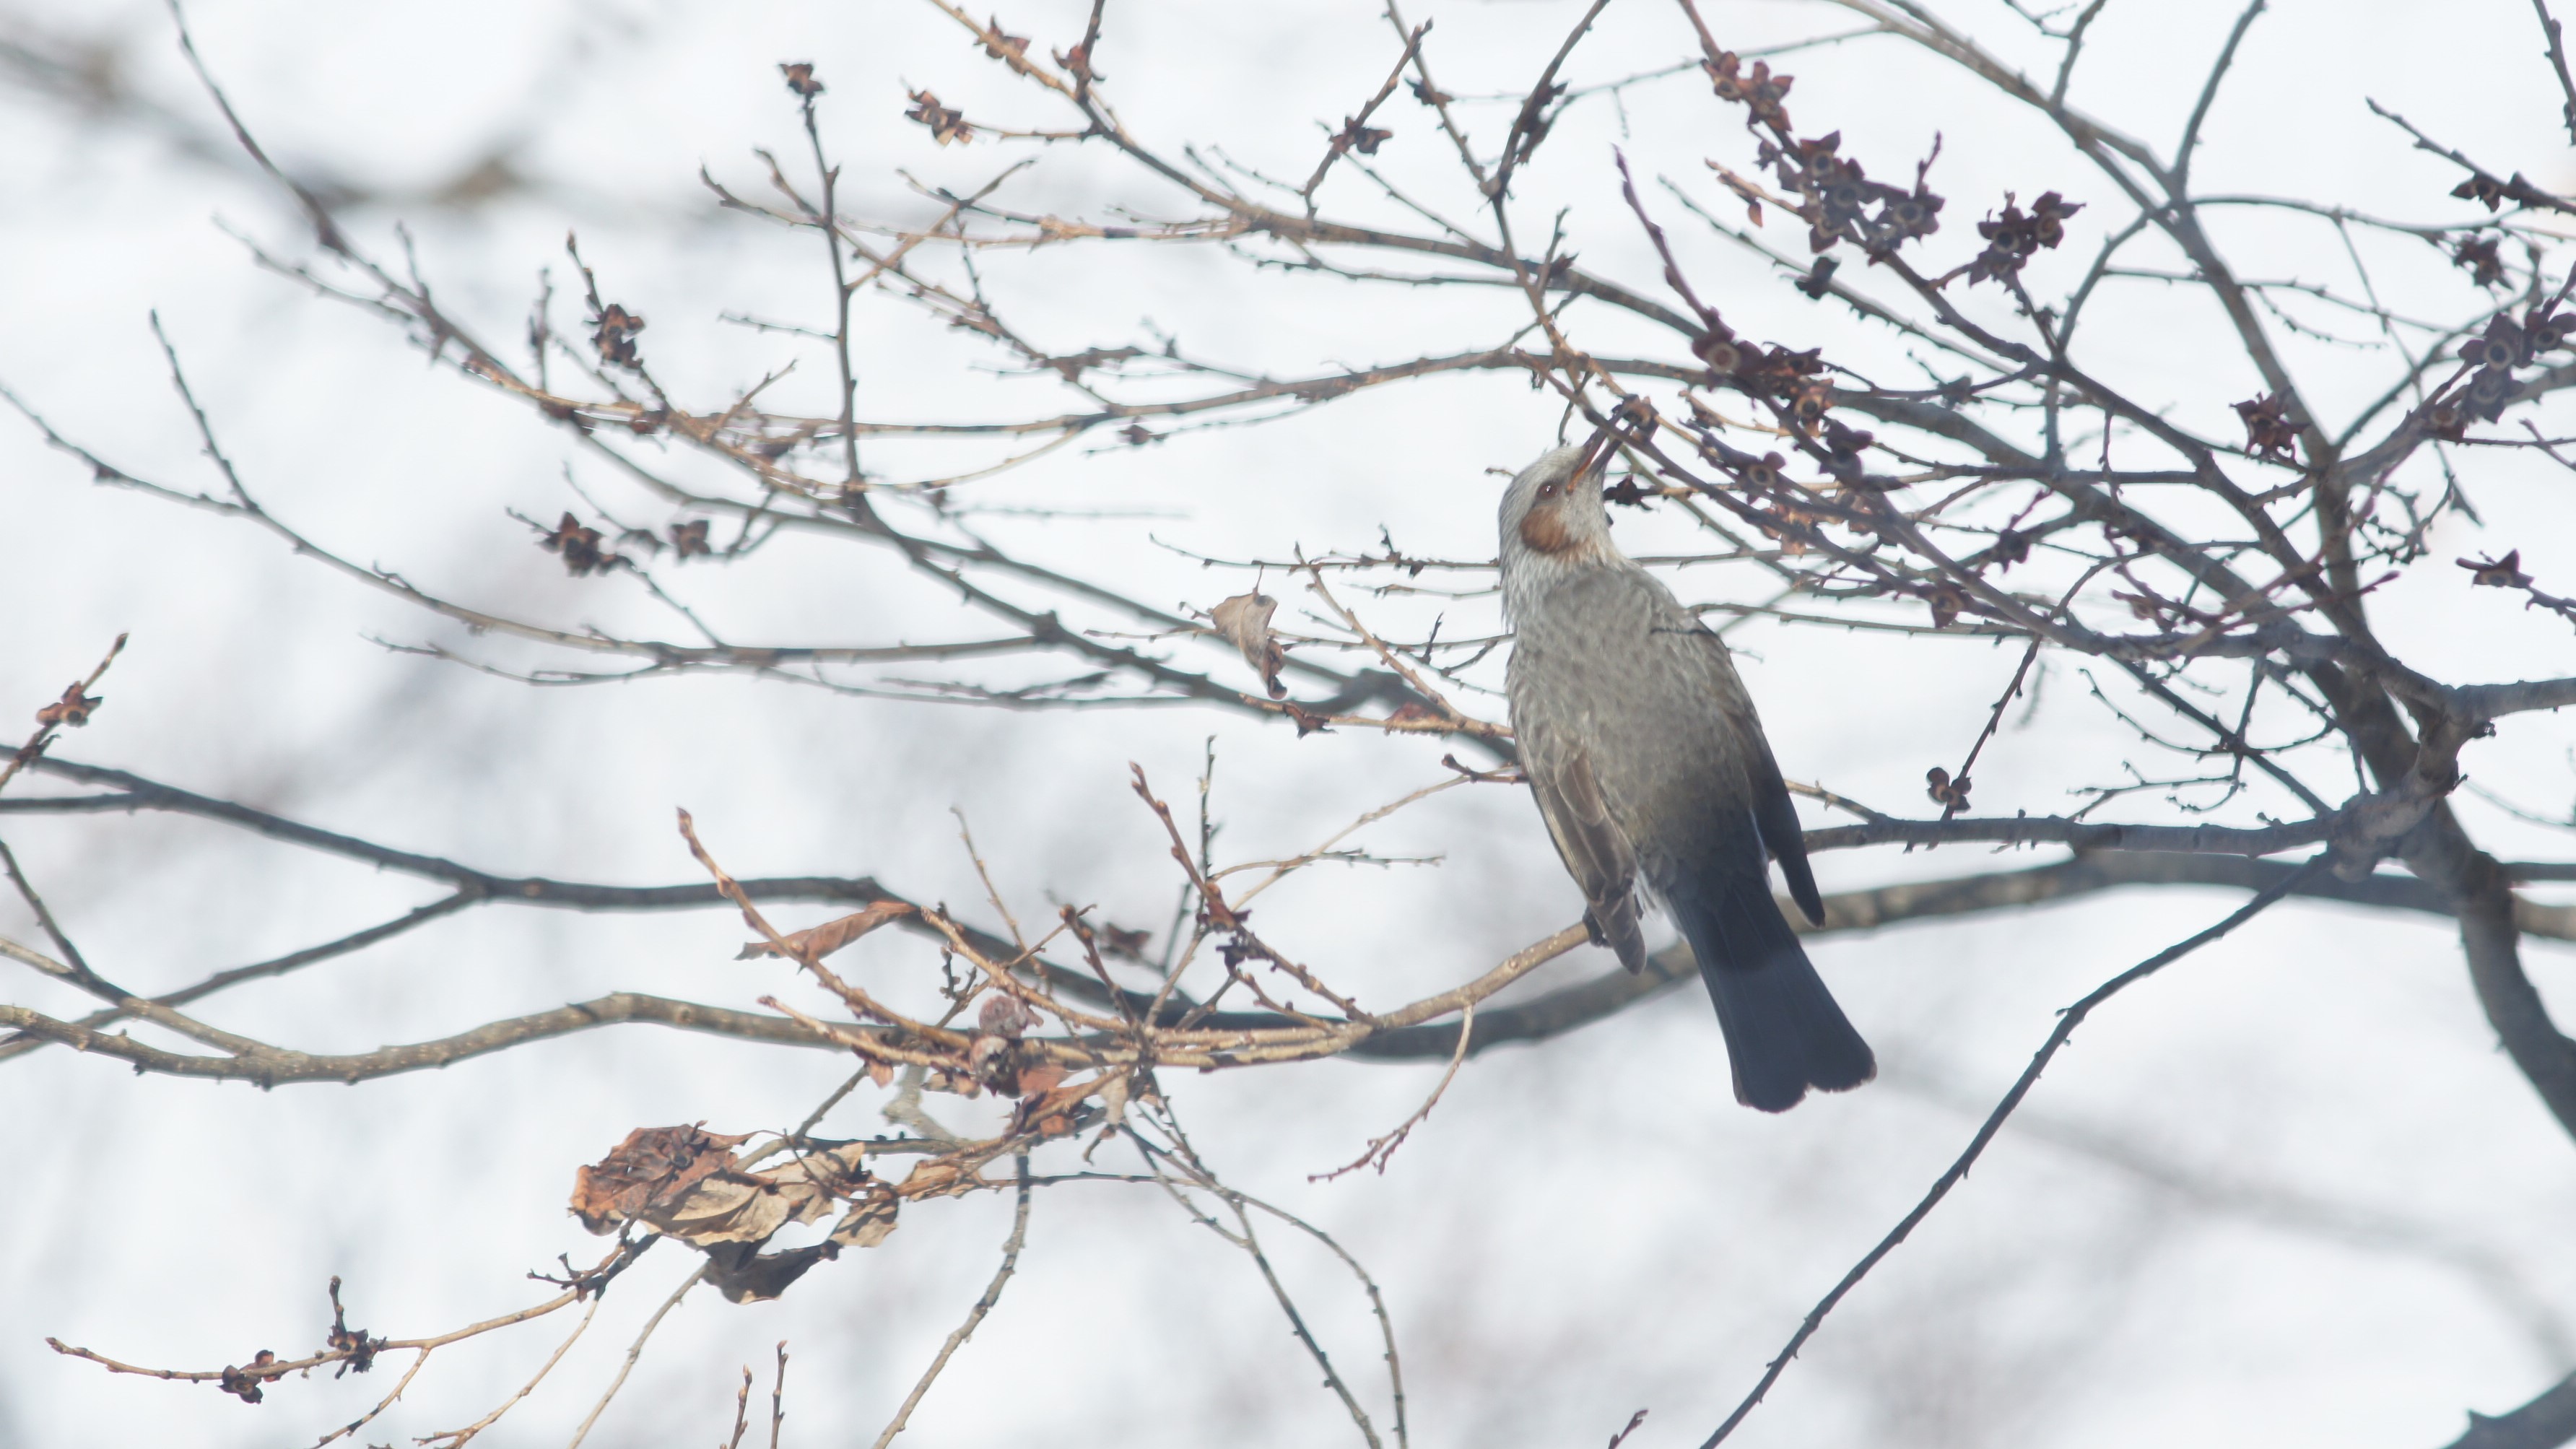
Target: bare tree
[{"x": 1943, "y": 445}]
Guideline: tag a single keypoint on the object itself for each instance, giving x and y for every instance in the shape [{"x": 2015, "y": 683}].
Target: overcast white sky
[{"x": 2288, "y": 1194}]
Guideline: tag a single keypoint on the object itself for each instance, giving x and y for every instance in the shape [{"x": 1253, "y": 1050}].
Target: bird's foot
[{"x": 1592, "y": 924}]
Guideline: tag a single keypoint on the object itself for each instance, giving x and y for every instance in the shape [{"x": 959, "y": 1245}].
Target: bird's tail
[{"x": 1784, "y": 1031}]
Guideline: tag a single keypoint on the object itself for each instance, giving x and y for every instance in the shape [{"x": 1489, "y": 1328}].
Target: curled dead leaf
[
  {"x": 683, "y": 1181},
  {"x": 816, "y": 942},
  {"x": 72, "y": 709},
  {"x": 738, "y": 1207},
  {"x": 929, "y": 1178},
  {"x": 1052, "y": 1112},
  {"x": 1245, "y": 621},
  {"x": 653, "y": 1164},
  {"x": 947, "y": 125},
  {"x": 743, "y": 1274}
]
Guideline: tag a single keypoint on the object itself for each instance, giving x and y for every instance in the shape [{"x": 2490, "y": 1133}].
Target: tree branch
[{"x": 2545, "y": 1423}]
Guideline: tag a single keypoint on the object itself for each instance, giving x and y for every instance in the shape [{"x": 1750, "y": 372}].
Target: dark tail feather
[{"x": 1784, "y": 1032}]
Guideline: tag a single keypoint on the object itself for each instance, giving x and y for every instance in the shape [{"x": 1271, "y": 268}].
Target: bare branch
[
  {"x": 2067, "y": 1021},
  {"x": 991, "y": 1295}
]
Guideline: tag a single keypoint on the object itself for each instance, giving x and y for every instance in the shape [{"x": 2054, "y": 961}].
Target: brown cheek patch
[{"x": 1543, "y": 528}]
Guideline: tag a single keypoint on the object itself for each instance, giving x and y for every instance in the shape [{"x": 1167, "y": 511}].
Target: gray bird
[{"x": 1651, "y": 770}]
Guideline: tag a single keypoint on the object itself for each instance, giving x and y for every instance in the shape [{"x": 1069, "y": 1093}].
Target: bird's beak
[{"x": 1598, "y": 453}]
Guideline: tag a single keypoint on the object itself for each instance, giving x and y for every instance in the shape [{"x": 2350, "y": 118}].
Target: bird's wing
[
  {"x": 1595, "y": 850},
  {"x": 1774, "y": 817},
  {"x": 1777, "y": 820}
]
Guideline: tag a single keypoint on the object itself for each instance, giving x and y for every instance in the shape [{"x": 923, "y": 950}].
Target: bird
[{"x": 1656, "y": 782}]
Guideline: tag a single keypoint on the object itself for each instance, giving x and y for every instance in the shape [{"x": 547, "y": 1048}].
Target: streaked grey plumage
[{"x": 1652, "y": 773}]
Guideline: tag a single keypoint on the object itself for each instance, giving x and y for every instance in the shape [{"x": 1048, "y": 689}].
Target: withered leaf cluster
[
  {"x": 2482, "y": 258},
  {"x": 687, "y": 1183},
  {"x": 2011, "y": 546},
  {"x": 579, "y": 545},
  {"x": 1758, "y": 91},
  {"x": 2494, "y": 353},
  {"x": 1839, "y": 197},
  {"x": 1001, "y": 45},
  {"x": 2497, "y": 573},
  {"x": 361, "y": 1350},
  {"x": 947, "y": 126},
  {"x": 2013, "y": 237},
  {"x": 2269, "y": 433},
  {"x": 72, "y": 710},
  {"x": 243, "y": 1381},
  {"x": 613, "y": 333},
  {"x": 2484, "y": 190},
  {"x": 800, "y": 78},
  {"x": 1355, "y": 137},
  {"x": 1077, "y": 63}
]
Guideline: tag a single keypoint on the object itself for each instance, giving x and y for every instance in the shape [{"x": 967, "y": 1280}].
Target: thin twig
[
  {"x": 1382, "y": 1149},
  {"x": 78, "y": 697},
  {"x": 2558, "y": 63},
  {"x": 778, "y": 1396},
  {"x": 458, "y": 1438},
  {"x": 2067, "y": 1021},
  {"x": 984, "y": 1304},
  {"x": 635, "y": 1351}
]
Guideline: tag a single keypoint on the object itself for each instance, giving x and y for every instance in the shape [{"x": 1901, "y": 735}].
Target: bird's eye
[{"x": 1547, "y": 490}]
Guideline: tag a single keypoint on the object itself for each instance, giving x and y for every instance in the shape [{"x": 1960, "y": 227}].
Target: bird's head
[{"x": 1554, "y": 507}]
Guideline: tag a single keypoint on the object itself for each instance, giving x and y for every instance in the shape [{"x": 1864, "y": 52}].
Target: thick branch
[
  {"x": 277, "y": 1066},
  {"x": 2544, "y": 1423}
]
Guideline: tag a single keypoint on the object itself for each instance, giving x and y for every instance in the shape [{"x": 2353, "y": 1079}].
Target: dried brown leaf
[
  {"x": 613, "y": 332},
  {"x": 868, "y": 1221},
  {"x": 1050, "y": 1113},
  {"x": 2497, "y": 573},
  {"x": 928, "y": 1178},
  {"x": 947, "y": 125},
  {"x": 747, "y": 1207},
  {"x": 816, "y": 942},
  {"x": 653, "y": 1164},
  {"x": 1245, "y": 620},
  {"x": 743, "y": 1274},
  {"x": 72, "y": 709}
]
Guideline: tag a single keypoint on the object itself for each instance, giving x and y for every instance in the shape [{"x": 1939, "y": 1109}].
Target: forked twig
[{"x": 1381, "y": 1149}]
